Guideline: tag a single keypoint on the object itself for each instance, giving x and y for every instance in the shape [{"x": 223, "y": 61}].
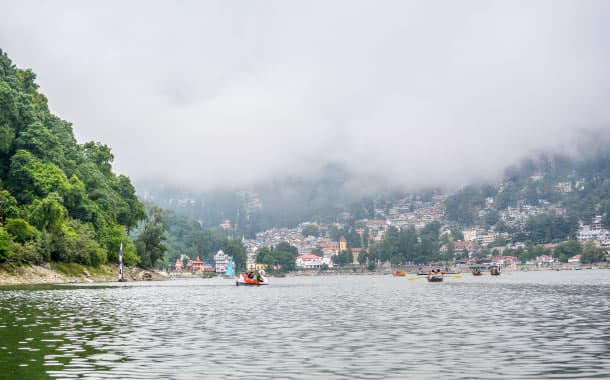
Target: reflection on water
[{"x": 515, "y": 326}]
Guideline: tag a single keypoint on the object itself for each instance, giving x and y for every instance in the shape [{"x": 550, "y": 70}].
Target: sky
[{"x": 229, "y": 93}]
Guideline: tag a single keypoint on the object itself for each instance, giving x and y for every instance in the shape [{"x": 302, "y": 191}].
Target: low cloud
[{"x": 421, "y": 94}]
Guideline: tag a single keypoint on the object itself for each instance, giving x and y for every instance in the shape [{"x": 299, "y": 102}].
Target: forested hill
[{"x": 59, "y": 200}]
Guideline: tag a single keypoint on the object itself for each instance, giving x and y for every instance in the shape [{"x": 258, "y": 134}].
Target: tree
[
  {"x": 149, "y": 243},
  {"x": 236, "y": 249},
  {"x": 592, "y": 254},
  {"x": 5, "y": 240},
  {"x": 567, "y": 249},
  {"x": 21, "y": 230},
  {"x": 100, "y": 155},
  {"x": 310, "y": 230},
  {"x": 65, "y": 191}
]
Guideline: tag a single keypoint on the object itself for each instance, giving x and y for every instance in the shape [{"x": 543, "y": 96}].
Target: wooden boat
[{"x": 399, "y": 273}]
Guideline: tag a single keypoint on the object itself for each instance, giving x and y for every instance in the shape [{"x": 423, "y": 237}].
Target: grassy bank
[{"x": 16, "y": 274}]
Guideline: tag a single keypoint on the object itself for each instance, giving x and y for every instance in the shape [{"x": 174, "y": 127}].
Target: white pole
[{"x": 121, "y": 262}]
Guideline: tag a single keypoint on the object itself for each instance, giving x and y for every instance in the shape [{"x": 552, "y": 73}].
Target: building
[
  {"x": 505, "y": 260},
  {"x": 587, "y": 233},
  {"x": 342, "y": 244},
  {"x": 178, "y": 265},
  {"x": 563, "y": 187},
  {"x": 330, "y": 248},
  {"x": 545, "y": 259},
  {"x": 209, "y": 266},
  {"x": 575, "y": 259},
  {"x": 222, "y": 260},
  {"x": 356, "y": 253},
  {"x": 309, "y": 262},
  {"x": 197, "y": 265},
  {"x": 256, "y": 266}
]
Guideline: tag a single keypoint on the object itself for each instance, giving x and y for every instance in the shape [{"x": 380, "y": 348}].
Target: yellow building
[
  {"x": 256, "y": 266},
  {"x": 342, "y": 244}
]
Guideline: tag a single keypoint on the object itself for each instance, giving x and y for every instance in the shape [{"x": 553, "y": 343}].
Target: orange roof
[{"x": 310, "y": 257}]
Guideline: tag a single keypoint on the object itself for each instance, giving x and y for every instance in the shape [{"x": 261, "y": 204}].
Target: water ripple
[{"x": 519, "y": 326}]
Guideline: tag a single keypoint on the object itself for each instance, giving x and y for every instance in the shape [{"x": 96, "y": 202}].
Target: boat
[
  {"x": 230, "y": 273},
  {"x": 494, "y": 271},
  {"x": 435, "y": 277},
  {"x": 476, "y": 271},
  {"x": 258, "y": 280},
  {"x": 399, "y": 273}
]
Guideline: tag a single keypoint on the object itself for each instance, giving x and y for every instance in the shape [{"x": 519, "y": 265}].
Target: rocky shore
[{"x": 54, "y": 273}]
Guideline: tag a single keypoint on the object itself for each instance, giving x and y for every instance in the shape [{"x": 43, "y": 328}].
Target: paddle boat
[
  {"x": 254, "y": 280},
  {"x": 435, "y": 276}
]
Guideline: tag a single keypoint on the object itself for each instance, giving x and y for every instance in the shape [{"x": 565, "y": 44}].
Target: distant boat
[
  {"x": 435, "y": 277},
  {"x": 258, "y": 280},
  {"x": 230, "y": 273},
  {"x": 495, "y": 271},
  {"x": 399, "y": 273}
]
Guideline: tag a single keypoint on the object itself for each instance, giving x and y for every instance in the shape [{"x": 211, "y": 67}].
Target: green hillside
[{"x": 59, "y": 200}]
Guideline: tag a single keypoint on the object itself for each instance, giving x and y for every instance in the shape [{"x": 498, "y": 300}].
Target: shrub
[{"x": 21, "y": 230}]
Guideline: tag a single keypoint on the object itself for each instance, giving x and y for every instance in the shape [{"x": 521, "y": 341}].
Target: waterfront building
[
  {"x": 355, "y": 253},
  {"x": 197, "y": 265},
  {"x": 545, "y": 259},
  {"x": 222, "y": 260},
  {"x": 256, "y": 266},
  {"x": 308, "y": 262},
  {"x": 575, "y": 259},
  {"x": 209, "y": 266},
  {"x": 178, "y": 265}
]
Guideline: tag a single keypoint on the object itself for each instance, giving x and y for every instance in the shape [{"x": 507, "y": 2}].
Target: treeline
[
  {"x": 186, "y": 236},
  {"x": 59, "y": 200},
  {"x": 282, "y": 256},
  {"x": 406, "y": 245},
  {"x": 562, "y": 252}
]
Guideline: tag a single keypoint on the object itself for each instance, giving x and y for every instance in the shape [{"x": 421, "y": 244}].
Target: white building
[
  {"x": 586, "y": 233},
  {"x": 308, "y": 262},
  {"x": 575, "y": 259},
  {"x": 221, "y": 259}
]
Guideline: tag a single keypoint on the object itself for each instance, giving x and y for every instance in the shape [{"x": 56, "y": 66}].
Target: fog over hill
[{"x": 199, "y": 95}]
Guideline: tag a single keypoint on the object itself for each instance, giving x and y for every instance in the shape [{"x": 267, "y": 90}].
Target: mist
[{"x": 414, "y": 94}]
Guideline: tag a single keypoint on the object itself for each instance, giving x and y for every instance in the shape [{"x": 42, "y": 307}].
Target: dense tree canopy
[{"x": 59, "y": 200}]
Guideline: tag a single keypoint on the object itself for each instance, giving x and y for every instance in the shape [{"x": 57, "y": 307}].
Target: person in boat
[
  {"x": 251, "y": 275},
  {"x": 260, "y": 276}
]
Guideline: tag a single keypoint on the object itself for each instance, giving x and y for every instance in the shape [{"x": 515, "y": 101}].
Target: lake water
[{"x": 520, "y": 325}]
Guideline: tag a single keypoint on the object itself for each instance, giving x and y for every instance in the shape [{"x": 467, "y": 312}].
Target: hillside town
[{"x": 318, "y": 250}]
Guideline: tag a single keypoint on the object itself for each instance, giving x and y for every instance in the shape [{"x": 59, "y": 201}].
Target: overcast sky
[{"x": 202, "y": 93}]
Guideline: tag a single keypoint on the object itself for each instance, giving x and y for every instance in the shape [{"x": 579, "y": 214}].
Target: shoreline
[{"x": 62, "y": 273}]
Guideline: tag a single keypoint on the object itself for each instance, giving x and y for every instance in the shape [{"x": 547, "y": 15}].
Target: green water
[{"x": 545, "y": 325}]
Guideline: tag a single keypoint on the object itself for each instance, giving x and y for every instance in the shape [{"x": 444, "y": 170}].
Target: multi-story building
[{"x": 222, "y": 260}]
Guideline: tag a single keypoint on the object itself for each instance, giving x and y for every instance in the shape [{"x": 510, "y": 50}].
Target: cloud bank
[{"x": 202, "y": 94}]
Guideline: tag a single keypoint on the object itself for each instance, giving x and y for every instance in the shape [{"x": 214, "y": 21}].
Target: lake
[{"x": 520, "y": 325}]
